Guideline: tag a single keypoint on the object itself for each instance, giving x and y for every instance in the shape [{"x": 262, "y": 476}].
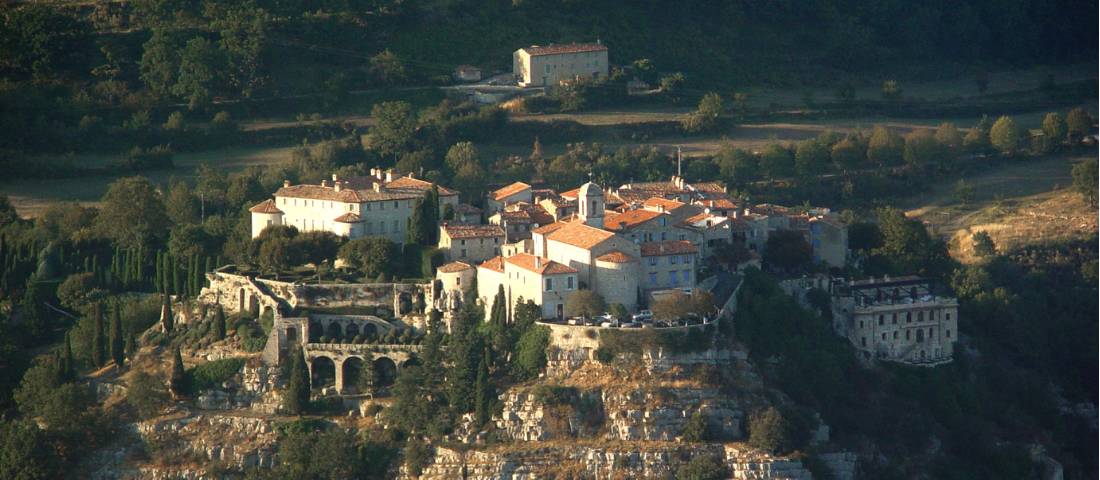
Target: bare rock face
[
  {"x": 656, "y": 460},
  {"x": 237, "y": 442}
]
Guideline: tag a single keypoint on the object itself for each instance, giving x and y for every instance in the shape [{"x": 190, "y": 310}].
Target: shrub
[
  {"x": 146, "y": 394},
  {"x": 212, "y": 374},
  {"x": 697, "y": 429},
  {"x": 778, "y": 432},
  {"x": 703, "y": 467}
]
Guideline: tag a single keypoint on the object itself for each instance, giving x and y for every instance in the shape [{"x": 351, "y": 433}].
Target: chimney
[
  {"x": 389, "y": 176},
  {"x": 337, "y": 185},
  {"x": 286, "y": 183},
  {"x": 324, "y": 183},
  {"x": 377, "y": 186},
  {"x": 335, "y": 177},
  {"x": 374, "y": 172}
]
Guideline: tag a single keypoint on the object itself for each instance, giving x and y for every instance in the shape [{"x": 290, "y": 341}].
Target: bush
[
  {"x": 146, "y": 394},
  {"x": 697, "y": 429},
  {"x": 777, "y": 432},
  {"x": 212, "y": 374},
  {"x": 703, "y": 467}
]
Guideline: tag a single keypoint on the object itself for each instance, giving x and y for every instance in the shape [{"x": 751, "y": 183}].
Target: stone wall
[{"x": 399, "y": 298}]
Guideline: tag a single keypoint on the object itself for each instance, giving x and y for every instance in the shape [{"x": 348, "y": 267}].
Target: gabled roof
[
  {"x": 671, "y": 247},
  {"x": 266, "y": 206},
  {"x": 539, "y": 265},
  {"x": 628, "y": 220},
  {"x": 580, "y": 235},
  {"x": 363, "y": 189},
  {"x": 510, "y": 190},
  {"x": 534, "y": 50},
  {"x": 348, "y": 217},
  {"x": 472, "y": 231},
  {"x": 662, "y": 203},
  {"x": 454, "y": 267}
]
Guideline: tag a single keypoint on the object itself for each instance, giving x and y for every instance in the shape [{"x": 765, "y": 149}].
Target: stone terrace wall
[{"x": 225, "y": 289}]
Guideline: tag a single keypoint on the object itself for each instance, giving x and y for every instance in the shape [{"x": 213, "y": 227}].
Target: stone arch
[
  {"x": 385, "y": 371},
  {"x": 370, "y": 330},
  {"x": 334, "y": 332},
  {"x": 351, "y": 331},
  {"x": 411, "y": 362},
  {"x": 350, "y": 370},
  {"x": 315, "y": 332},
  {"x": 404, "y": 303},
  {"x": 322, "y": 372}
]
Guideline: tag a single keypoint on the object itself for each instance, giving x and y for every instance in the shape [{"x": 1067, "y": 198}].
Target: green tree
[
  {"x": 117, "y": 342},
  {"x": 372, "y": 256},
  {"x": 296, "y": 396},
  {"x": 1054, "y": 128},
  {"x": 922, "y": 150},
  {"x": 1005, "y": 136},
  {"x": 26, "y": 452},
  {"x": 177, "y": 377},
  {"x": 35, "y": 318},
  {"x": 776, "y": 161},
  {"x": 885, "y": 147},
  {"x": 483, "y": 391},
  {"x": 131, "y": 213},
  {"x": 181, "y": 205},
  {"x": 367, "y": 376},
  {"x": 697, "y": 428},
  {"x": 891, "y": 90},
  {"x": 167, "y": 318},
  {"x": 908, "y": 248},
  {"x": 703, "y": 467},
  {"x": 787, "y": 250},
  {"x": 983, "y": 244},
  {"x": 1085, "y": 180},
  {"x": 705, "y": 116},
  {"x": 462, "y": 154},
  {"x": 424, "y": 223},
  {"x": 394, "y": 127},
  {"x": 199, "y": 67},
  {"x": 219, "y": 323},
  {"x": 584, "y": 303},
  {"x": 387, "y": 69},
  {"x": 947, "y": 134},
  {"x": 737, "y": 165},
  {"x": 42, "y": 41},
  {"x": 99, "y": 340},
  {"x": 531, "y": 351},
  {"x": 847, "y": 155},
  {"x": 771, "y": 432},
  {"x": 811, "y": 158},
  {"x": 1078, "y": 123}
]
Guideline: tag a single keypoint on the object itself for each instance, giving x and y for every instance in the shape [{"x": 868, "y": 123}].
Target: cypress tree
[
  {"x": 296, "y": 397},
  {"x": 482, "y": 391},
  {"x": 157, "y": 273},
  {"x": 219, "y": 323},
  {"x": 166, "y": 315},
  {"x": 177, "y": 383},
  {"x": 367, "y": 375},
  {"x": 70, "y": 364},
  {"x": 116, "y": 338},
  {"x": 177, "y": 278},
  {"x": 99, "y": 343}
]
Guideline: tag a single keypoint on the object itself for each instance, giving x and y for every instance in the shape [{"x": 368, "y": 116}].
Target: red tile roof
[
  {"x": 534, "y": 50},
  {"x": 495, "y": 264},
  {"x": 541, "y": 266},
  {"x": 661, "y": 202},
  {"x": 454, "y": 267},
  {"x": 363, "y": 189},
  {"x": 266, "y": 206},
  {"x": 615, "y": 256},
  {"x": 347, "y": 218},
  {"x": 473, "y": 231},
  {"x": 580, "y": 235},
  {"x": 618, "y": 222},
  {"x": 671, "y": 247},
  {"x": 510, "y": 190}
]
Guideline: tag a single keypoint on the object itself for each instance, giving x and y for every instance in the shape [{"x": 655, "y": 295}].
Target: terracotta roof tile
[
  {"x": 615, "y": 256},
  {"x": 510, "y": 190},
  {"x": 539, "y": 265},
  {"x": 580, "y": 235},
  {"x": 348, "y": 217},
  {"x": 266, "y": 206},
  {"x": 454, "y": 267},
  {"x": 535, "y": 50},
  {"x": 495, "y": 264},
  {"x": 628, "y": 220},
  {"x": 472, "y": 231},
  {"x": 671, "y": 247},
  {"x": 661, "y": 202},
  {"x": 363, "y": 189}
]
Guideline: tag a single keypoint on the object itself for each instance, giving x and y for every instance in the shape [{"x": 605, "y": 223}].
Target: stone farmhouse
[
  {"x": 470, "y": 243},
  {"x": 550, "y": 65},
  {"x": 376, "y": 205}
]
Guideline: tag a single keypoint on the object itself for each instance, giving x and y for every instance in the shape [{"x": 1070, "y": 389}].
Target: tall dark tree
[
  {"x": 219, "y": 323},
  {"x": 483, "y": 394},
  {"x": 424, "y": 223},
  {"x": 67, "y": 359},
  {"x": 117, "y": 343},
  {"x": 296, "y": 397},
  {"x": 177, "y": 381},
  {"x": 166, "y": 314},
  {"x": 99, "y": 341}
]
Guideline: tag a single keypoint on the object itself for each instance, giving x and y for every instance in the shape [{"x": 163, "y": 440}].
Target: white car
[{"x": 643, "y": 315}]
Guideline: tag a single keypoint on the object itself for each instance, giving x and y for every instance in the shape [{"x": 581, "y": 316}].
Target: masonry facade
[{"x": 550, "y": 65}]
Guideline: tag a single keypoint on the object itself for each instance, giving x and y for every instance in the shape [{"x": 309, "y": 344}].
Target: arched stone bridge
[{"x": 344, "y": 361}]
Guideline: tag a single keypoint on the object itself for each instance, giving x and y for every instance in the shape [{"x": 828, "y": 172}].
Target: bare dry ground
[{"x": 1019, "y": 204}]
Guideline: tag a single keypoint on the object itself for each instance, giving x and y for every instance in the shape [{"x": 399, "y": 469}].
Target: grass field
[{"x": 1018, "y": 204}]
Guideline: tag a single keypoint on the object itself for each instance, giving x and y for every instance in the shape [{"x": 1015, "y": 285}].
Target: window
[
  {"x": 884, "y": 335},
  {"x": 396, "y": 228},
  {"x": 907, "y": 334},
  {"x": 948, "y": 316},
  {"x": 881, "y": 319},
  {"x": 368, "y": 207},
  {"x": 861, "y": 324},
  {"x": 920, "y": 335},
  {"x": 929, "y": 333},
  {"x": 462, "y": 242},
  {"x": 653, "y": 279},
  {"x": 672, "y": 278},
  {"x": 863, "y": 341},
  {"x": 920, "y": 316},
  {"x": 895, "y": 319},
  {"x": 663, "y": 236},
  {"x": 653, "y": 261},
  {"x": 396, "y": 205},
  {"x": 687, "y": 276},
  {"x": 370, "y": 228},
  {"x": 549, "y": 284},
  {"x": 569, "y": 283},
  {"x": 895, "y": 335},
  {"x": 908, "y": 317},
  {"x": 462, "y": 253},
  {"x": 381, "y": 206},
  {"x": 672, "y": 260},
  {"x": 947, "y": 333},
  {"x": 382, "y": 227}
]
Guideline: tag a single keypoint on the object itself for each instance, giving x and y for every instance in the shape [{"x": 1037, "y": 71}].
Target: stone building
[
  {"x": 550, "y": 65},
  {"x": 669, "y": 264},
  {"x": 376, "y": 205},
  {"x": 470, "y": 243},
  {"x": 546, "y": 282},
  {"x": 896, "y": 319},
  {"x": 515, "y": 192}
]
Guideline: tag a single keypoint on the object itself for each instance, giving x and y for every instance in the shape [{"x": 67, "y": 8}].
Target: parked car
[
  {"x": 631, "y": 325},
  {"x": 642, "y": 315},
  {"x": 606, "y": 324}
]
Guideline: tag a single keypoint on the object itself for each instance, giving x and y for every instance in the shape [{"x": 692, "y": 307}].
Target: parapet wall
[{"x": 238, "y": 292}]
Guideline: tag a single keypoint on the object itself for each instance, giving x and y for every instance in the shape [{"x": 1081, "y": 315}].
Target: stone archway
[
  {"x": 322, "y": 372},
  {"x": 411, "y": 362},
  {"x": 334, "y": 332},
  {"x": 315, "y": 332},
  {"x": 385, "y": 372},
  {"x": 370, "y": 331},
  {"x": 351, "y": 331},
  {"x": 350, "y": 371}
]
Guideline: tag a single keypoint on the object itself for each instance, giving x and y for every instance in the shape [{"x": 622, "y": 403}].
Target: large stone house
[
  {"x": 470, "y": 243},
  {"x": 550, "y": 65},
  {"x": 376, "y": 205}
]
